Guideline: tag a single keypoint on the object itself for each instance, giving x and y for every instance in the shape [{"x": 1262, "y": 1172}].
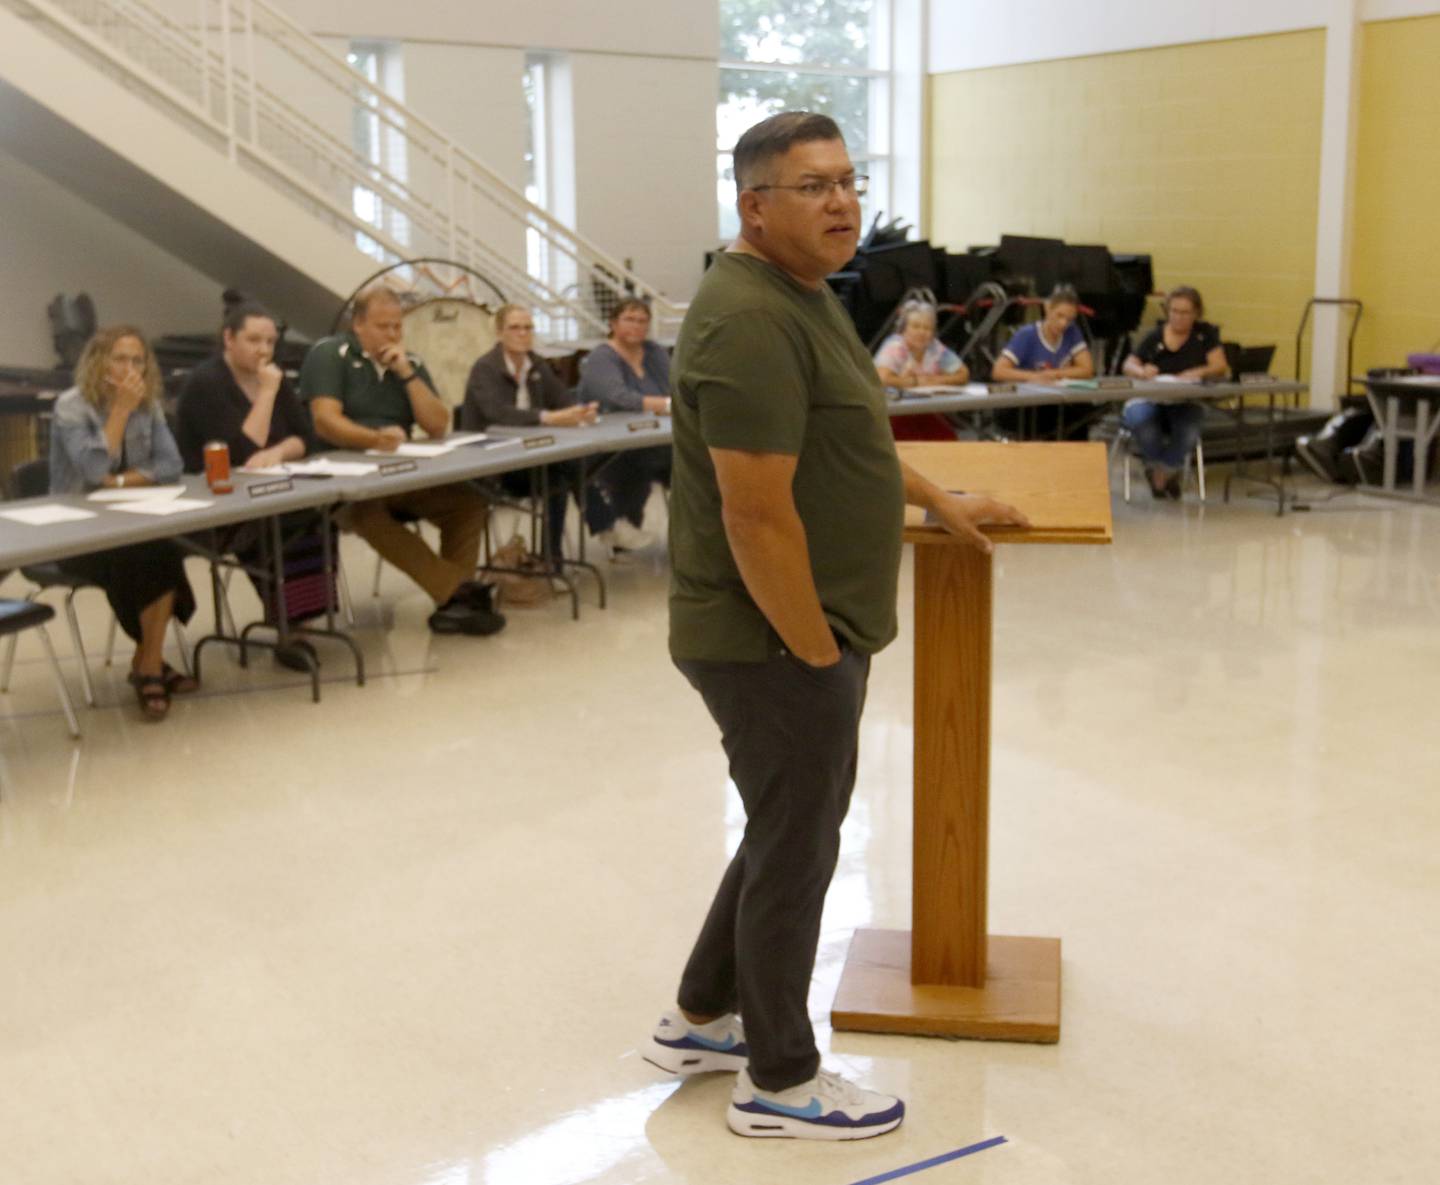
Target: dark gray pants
[{"x": 791, "y": 733}]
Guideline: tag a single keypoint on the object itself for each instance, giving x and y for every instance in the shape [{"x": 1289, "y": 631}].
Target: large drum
[{"x": 449, "y": 333}]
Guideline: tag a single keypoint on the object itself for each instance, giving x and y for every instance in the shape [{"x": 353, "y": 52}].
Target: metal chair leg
[
  {"x": 1122, "y": 444},
  {"x": 9, "y": 662},
  {"x": 1200, "y": 467},
  {"x": 59, "y": 682},
  {"x": 345, "y": 598},
  {"x": 79, "y": 643},
  {"x": 182, "y": 643},
  {"x": 225, "y": 604},
  {"x": 10, "y": 648}
]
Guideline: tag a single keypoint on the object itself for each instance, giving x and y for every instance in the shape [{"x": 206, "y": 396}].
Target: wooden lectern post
[{"x": 948, "y": 976}]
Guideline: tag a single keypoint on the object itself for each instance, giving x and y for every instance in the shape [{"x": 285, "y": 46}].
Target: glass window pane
[
  {"x": 748, "y": 96},
  {"x": 725, "y": 197},
  {"x": 796, "y": 32}
]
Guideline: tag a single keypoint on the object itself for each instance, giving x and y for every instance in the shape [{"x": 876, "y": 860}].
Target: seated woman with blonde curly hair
[{"x": 109, "y": 432}]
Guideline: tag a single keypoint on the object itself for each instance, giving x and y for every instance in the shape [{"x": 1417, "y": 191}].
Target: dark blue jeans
[{"x": 1165, "y": 433}]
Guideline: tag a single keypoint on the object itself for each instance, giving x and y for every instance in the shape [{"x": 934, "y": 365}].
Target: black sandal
[
  {"x": 177, "y": 682},
  {"x": 152, "y": 694}
]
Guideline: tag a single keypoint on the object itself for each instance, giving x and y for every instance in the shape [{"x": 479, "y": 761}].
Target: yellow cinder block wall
[
  {"x": 1205, "y": 156},
  {"x": 1395, "y": 249}
]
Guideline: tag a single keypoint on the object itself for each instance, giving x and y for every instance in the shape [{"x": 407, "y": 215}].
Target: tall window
[
  {"x": 537, "y": 160},
  {"x": 829, "y": 56},
  {"x": 381, "y": 143}
]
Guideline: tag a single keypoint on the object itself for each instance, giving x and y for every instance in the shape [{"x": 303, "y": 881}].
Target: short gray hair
[
  {"x": 372, "y": 294},
  {"x": 775, "y": 137}
]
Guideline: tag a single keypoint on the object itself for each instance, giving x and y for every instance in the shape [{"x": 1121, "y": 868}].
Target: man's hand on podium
[{"x": 964, "y": 514}]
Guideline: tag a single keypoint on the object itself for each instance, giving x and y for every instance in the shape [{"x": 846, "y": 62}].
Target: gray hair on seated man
[{"x": 377, "y": 293}]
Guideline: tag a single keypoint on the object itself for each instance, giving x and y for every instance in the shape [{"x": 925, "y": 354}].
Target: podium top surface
[{"x": 1064, "y": 489}]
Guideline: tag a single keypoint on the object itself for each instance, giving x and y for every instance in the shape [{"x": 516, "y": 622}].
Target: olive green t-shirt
[
  {"x": 337, "y": 367},
  {"x": 765, "y": 364}
]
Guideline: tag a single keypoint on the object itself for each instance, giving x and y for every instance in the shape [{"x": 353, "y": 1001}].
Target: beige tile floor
[{"x": 412, "y": 935}]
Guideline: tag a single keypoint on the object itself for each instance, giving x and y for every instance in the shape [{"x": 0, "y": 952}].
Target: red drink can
[{"x": 217, "y": 467}]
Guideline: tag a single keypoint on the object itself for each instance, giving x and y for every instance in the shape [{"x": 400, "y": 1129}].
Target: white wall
[
  {"x": 52, "y": 241},
  {"x": 473, "y": 95},
  {"x": 967, "y": 35},
  {"x": 645, "y": 163}
]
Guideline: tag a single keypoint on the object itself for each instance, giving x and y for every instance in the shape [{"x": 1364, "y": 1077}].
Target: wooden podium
[{"x": 948, "y": 976}]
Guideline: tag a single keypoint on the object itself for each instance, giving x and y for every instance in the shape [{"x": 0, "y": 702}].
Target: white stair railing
[{"x": 250, "y": 81}]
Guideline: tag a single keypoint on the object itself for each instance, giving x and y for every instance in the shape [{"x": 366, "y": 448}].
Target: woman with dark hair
[
  {"x": 108, "y": 432},
  {"x": 629, "y": 372},
  {"x": 1188, "y": 349},
  {"x": 240, "y": 396},
  {"x": 1048, "y": 350}
]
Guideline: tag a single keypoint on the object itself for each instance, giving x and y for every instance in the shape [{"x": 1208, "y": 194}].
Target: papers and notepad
[
  {"x": 325, "y": 467},
  {"x": 437, "y": 448},
  {"x": 1079, "y": 384},
  {"x": 416, "y": 448},
  {"x": 165, "y": 506},
  {"x": 136, "y": 494},
  {"x": 975, "y": 389},
  {"x": 1168, "y": 378},
  {"x": 46, "y": 514}
]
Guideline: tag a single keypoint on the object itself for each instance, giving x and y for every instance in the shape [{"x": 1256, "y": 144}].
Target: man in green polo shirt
[
  {"x": 366, "y": 392},
  {"x": 785, "y": 519}
]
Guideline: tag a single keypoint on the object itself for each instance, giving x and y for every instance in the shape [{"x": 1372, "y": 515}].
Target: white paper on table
[
  {"x": 412, "y": 448},
  {"x": 975, "y": 389},
  {"x": 46, "y": 514},
  {"x": 136, "y": 494},
  {"x": 1167, "y": 378},
  {"x": 324, "y": 467},
  {"x": 263, "y": 471},
  {"x": 170, "y": 506}
]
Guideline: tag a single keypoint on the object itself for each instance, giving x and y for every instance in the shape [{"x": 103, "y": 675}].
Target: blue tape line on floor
[{"x": 934, "y": 1161}]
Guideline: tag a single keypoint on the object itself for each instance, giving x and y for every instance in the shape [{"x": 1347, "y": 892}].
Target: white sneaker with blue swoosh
[
  {"x": 680, "y": 1047},
  {"x": 825, "y": 1108}
]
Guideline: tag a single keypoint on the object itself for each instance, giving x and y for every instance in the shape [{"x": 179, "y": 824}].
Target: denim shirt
[{"x": 80, "y": 460}]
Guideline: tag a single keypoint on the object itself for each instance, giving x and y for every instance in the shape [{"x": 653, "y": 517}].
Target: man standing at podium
[{"x": 786, "y": 513}]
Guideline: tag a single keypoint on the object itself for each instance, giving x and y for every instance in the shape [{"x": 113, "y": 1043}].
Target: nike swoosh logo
[
  {"x": 810, "y": 1111},
  {"x": 715, "y": 1046}
]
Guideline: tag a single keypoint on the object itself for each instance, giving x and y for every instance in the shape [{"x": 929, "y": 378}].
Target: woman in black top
[
  {"x": 513, "y": 386},
  {"x": 1189, "y": 349},
  {"x": 242, "y": 398}
]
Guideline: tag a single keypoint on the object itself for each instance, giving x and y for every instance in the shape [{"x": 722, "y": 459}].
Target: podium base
[{"x": 1019, "y": 1002}]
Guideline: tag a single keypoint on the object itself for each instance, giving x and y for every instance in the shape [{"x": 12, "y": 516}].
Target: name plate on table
[
  {"x": 539, "y": 441},
  {"x": 1113, "y": 383},
  {"x": 1002, "y": 388},
  {"x": 1255, "y": 380},
  {"x": 276, "y": 485},
  {"x": 389, "y": 467},
  {"x": 643, "y": 425}
]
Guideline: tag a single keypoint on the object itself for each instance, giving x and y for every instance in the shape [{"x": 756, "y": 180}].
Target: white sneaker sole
[
  {"x": 691, "y": 1061},
  {"x": 782, "y": 1127}
]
